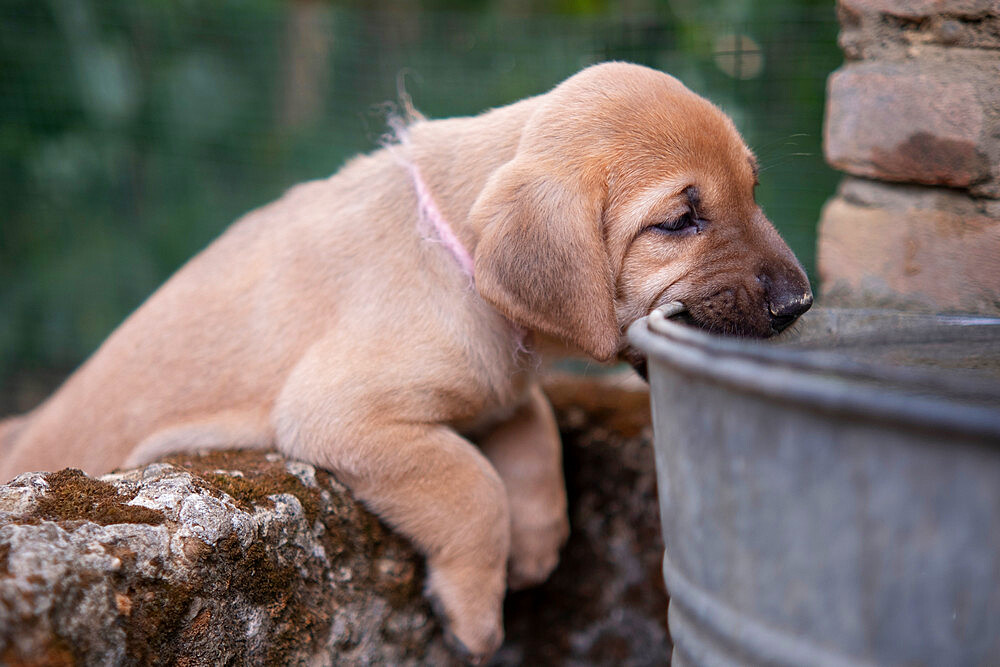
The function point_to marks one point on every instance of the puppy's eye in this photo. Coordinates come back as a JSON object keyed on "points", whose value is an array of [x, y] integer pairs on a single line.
{"points": [[685, 222]]}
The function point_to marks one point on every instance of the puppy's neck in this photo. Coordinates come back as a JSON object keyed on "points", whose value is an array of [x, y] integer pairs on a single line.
{"points": [[456, 157]]}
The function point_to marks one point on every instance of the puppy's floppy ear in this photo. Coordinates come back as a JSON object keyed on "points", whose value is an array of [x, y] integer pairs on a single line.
{"points": [[541, 259]]}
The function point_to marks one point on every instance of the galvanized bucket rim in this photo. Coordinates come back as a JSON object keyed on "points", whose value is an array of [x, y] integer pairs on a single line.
{"points": [[827, 380]]}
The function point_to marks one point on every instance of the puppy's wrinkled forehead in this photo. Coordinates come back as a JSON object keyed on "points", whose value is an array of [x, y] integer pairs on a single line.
{"points": [[640, 124]]}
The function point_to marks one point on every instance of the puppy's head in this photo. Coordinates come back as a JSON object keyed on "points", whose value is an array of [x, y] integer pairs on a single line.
{"points": [[629, 191]]}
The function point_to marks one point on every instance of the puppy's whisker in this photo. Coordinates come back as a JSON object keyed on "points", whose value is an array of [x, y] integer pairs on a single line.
{"points": [[784, 141], [786, 149], [790, 157], [793, 154]]}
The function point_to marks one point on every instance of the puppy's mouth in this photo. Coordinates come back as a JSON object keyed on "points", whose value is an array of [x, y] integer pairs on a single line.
{"points": [[637, 360], [731, 326], [675, 310]]}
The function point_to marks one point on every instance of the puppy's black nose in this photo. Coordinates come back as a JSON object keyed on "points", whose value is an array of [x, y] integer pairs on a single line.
{"points": [[786, 306], [786, 293]]}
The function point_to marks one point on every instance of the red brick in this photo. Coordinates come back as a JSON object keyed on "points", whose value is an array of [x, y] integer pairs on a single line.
{"points": [[909, 122], [926, 258], [874, 29], [916, 9]]}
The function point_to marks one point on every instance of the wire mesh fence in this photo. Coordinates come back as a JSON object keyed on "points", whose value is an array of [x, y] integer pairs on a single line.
{"points": [[132, 133]]}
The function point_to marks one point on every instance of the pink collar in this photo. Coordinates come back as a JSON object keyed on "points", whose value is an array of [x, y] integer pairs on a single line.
{"points": [[430, 213]]}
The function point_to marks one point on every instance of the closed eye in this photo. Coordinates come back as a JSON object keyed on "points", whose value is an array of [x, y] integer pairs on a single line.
{"points": [[681, 225]]}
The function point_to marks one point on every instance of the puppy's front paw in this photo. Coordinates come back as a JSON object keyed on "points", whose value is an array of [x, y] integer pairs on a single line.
{"points": [[534, 551], [469, 600]]}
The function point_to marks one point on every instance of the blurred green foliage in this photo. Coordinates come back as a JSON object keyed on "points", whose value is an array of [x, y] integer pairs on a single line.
{"points": [[133, 131]]}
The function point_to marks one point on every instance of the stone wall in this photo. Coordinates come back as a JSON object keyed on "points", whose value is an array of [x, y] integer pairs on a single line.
{"points": [[913, 119]]}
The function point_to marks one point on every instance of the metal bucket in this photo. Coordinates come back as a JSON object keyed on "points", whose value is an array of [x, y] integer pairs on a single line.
{"points": [[832, 498]]}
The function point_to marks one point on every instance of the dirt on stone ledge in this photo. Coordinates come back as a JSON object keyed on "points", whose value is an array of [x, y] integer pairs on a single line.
{"points": [[204, 560], [251, 477], [72, 496]]}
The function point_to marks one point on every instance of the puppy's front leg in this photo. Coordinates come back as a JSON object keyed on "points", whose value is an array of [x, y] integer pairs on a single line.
{"points": [[527, 452], [426, 481], [434, 487]]}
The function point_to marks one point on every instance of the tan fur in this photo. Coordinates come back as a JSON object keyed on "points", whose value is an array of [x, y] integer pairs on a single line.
{"points": [[325, 325]]}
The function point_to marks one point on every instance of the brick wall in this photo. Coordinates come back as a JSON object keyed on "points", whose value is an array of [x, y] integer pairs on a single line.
{"points": [[913, 119]]}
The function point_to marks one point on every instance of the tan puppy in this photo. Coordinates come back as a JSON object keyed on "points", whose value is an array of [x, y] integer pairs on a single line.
{"points": [[329, 326]]}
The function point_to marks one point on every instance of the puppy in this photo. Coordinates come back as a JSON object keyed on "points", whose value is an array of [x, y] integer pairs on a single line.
{"points": [[379, 323]]}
